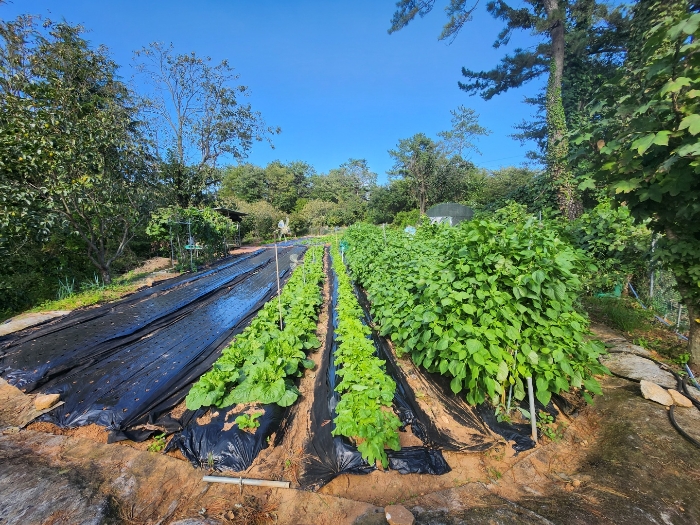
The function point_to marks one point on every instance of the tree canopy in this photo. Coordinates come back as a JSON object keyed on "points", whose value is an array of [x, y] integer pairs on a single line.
{"points": [[641, 141]]}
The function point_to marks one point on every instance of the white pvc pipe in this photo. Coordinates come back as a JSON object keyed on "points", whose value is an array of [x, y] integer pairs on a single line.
{"points": [[247, 481], [533, 417]]}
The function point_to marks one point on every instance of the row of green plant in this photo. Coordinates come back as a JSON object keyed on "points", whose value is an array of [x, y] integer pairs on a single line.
{"points": [[260, 365], [486, 303], [366, 391]]}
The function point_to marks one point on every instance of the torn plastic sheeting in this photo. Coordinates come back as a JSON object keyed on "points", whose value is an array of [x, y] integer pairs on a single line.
{"points": [[37, 355], [221, 445], [331, 455], [137, 382], [418, 460], [518, 433]]}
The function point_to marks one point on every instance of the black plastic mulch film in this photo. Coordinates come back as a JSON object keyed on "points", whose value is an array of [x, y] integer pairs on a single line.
{"points": [[330, 456], [127, 364]]}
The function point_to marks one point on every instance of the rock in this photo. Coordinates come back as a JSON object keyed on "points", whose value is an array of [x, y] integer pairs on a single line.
{"points": [[654, 392], [693, 392], [398, 515], [638, 368], [679, 399], [631, 349], [44, 401]]}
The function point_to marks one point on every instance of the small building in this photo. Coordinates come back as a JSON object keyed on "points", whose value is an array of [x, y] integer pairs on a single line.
{"points": [[450, 212]]}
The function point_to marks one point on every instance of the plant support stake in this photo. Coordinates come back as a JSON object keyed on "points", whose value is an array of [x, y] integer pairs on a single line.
{"points": [[279, 296], [533, 418]]}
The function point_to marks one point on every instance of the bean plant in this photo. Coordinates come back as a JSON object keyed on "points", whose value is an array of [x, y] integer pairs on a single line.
{"points": [[487, 303]]}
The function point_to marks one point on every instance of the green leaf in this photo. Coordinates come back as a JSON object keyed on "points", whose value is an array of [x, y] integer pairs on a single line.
{"points": [[661, 138], [586, 184], [288, 398], [675, 85], [502, 374], [473, 345], [592, 386], [543, 396], [644, 143], [625, 186], [456, 385], [539, 276], [692, 122]]}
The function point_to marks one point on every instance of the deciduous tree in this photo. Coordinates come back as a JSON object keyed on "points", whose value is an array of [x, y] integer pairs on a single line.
{"points": [[642, 140], [70, 141], [198, 117]]}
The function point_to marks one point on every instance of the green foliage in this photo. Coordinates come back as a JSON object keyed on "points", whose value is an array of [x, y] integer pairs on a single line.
{"points": [[615, 241], [623, 314], [436, 171], [158, 443], [262, 362], [364, 411], [462, 301], [261, 219], [245, 421], [406, 218], [386, 201], [642, 140], [210, 230], [73, 159], [322, 213], [547, 427], [522, 185]]}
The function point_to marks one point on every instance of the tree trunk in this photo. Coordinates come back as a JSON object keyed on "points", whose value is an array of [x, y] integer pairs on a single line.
{"points": [[694, 334], [557, 142], [106, 277], [685, 284]]}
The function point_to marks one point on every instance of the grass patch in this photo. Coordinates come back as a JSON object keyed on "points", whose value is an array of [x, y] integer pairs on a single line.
{"points": [[624, 314], [120, 286], [639, 325]]}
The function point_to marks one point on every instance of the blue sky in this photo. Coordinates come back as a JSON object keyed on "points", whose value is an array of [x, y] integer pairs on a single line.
{"points": [[326, 71]]}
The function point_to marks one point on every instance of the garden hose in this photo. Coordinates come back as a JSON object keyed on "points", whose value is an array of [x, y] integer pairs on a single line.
{"points": [[680, 430], [682, 386]]}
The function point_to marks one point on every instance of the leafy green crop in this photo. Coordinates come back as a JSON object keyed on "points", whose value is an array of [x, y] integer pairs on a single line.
{"points": [[261, 363], [486, 303], [364, 411], [245, 421]]}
